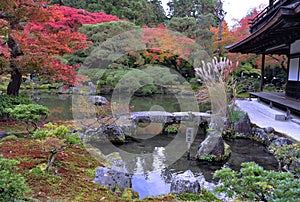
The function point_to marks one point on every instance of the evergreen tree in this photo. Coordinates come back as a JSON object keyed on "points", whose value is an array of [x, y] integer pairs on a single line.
{"points": [[194, 18], [140, 12]]}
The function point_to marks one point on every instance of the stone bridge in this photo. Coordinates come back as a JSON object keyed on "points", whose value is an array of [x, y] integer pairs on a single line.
{"points": [[167, 117]]}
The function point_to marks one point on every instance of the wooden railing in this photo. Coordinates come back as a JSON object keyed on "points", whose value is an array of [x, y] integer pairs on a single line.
{"points": [[273, 5]]}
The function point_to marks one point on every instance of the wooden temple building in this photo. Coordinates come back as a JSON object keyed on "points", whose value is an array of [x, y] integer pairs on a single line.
{"points": [[276, 30]]}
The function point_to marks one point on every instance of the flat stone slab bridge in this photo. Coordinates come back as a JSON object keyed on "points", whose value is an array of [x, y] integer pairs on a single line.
{"points": [[167, 117]]}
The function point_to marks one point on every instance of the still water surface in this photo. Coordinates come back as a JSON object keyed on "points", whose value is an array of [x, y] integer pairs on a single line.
{"points": [[152, 176]]}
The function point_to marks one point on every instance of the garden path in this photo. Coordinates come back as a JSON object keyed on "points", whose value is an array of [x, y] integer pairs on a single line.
{"points": [[264, 116]]}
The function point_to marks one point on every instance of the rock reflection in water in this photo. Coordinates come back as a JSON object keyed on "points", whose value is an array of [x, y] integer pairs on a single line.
{"points": [[152, 174]]}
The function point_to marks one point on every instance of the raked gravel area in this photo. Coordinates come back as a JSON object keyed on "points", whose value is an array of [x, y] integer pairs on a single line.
{"points": [[263, 116]]}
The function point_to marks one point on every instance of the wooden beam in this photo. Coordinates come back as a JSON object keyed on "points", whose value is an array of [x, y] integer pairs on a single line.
{"points": [[262, 72]]}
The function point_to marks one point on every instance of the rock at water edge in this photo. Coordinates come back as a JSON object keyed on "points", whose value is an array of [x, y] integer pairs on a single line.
{"points": [[185, 183], [112, 179], [213, 145]]}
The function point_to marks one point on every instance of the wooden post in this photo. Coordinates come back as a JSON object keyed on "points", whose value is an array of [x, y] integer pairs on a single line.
{"points": [[262, 72]]}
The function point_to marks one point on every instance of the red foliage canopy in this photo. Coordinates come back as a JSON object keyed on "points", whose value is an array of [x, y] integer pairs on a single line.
{"points": [[43, 34], [163, 43]]}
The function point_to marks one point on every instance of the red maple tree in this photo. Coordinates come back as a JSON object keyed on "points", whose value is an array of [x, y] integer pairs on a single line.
{"points": [[36, 36], [169, 48]]}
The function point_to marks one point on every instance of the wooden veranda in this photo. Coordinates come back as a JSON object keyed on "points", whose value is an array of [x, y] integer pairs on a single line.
{"points": [[280, 100]]}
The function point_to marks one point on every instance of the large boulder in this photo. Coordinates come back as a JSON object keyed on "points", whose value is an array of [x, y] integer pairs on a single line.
{"points": [[113, 179], [97, 100], [103, 133], [185, 183], [114, 133], [213, 146], [294, 168], [243, 126], [127, 125]]}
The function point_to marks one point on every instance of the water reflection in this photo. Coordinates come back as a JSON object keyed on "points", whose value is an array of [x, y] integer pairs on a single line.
{"points": [[150, 182], [151, 168], [152, 173], [60, 105], [153, 185]]}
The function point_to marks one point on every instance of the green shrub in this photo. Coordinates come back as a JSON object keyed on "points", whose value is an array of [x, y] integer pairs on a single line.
{"points": [[12, 185], [286, 154], [146, 90], [39, 169], [235, 114], [194, 83], [203, 196], [51, 130], [8, 101], [172, 129], [55, 139], [72, 139], [253, 183], [270, 88], [29, 114], [247, 85]]}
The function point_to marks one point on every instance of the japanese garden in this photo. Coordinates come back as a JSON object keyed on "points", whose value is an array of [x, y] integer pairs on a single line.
{"points": [[126, 100]]}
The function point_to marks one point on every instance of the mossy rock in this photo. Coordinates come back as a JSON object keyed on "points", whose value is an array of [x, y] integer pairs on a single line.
{"points": [[213, 158], [129, 194]]}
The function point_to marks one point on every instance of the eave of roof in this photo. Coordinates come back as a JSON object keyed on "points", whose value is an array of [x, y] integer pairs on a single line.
{"points": [[258, 42]]}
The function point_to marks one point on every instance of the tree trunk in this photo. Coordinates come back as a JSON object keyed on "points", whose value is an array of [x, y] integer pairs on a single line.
{"points": [[15, 83], [51, 160], [16, 75]]}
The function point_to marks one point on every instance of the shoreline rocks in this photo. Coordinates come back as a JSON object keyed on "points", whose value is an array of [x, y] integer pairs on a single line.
{"points": [[185, 183], [213, 146], [103, 133]]}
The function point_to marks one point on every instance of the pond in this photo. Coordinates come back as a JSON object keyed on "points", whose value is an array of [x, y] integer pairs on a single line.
{"points": [[61, 105], [152, 176]]}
